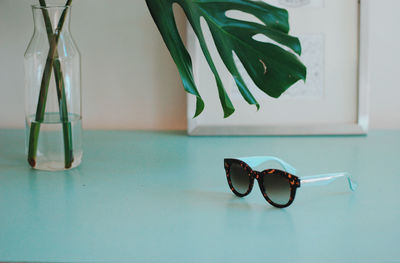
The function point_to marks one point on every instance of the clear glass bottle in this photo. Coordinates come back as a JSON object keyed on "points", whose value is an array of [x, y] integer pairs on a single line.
{"points": [[53, 92]]}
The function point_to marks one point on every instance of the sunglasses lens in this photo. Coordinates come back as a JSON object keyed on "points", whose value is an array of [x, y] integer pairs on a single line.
{"points": [[240, 178], [277, 188]]}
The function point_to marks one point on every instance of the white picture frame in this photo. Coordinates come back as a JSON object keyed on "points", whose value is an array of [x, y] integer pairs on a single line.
{"points": [[204, 125]]}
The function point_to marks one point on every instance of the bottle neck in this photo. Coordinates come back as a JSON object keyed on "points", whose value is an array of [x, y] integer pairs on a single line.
{"points": [[51, 18]]}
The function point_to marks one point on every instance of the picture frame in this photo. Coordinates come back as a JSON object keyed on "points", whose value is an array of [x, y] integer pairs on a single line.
{"points": [[247, 121]]}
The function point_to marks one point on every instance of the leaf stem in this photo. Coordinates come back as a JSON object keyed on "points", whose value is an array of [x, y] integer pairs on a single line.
{"points": [[52, 62], [67, 131]]}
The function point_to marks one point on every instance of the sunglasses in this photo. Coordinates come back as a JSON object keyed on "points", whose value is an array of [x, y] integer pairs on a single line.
{"points": [[278, 187]]}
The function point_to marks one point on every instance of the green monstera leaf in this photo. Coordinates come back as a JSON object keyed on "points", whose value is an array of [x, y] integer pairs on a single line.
{"points": [[271, 67]]}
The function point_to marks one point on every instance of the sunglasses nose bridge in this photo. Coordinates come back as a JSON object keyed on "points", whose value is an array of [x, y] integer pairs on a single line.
{"points": [[255, 174]]}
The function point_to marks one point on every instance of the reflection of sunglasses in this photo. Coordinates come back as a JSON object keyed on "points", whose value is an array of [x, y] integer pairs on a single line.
{"points": [[278, 187]]}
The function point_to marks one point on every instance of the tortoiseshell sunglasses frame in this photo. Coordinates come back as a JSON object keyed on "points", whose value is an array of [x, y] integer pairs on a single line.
{"points": [[293, 181]]}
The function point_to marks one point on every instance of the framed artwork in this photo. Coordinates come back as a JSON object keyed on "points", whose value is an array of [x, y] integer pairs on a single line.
{"points": [[333, 100]]}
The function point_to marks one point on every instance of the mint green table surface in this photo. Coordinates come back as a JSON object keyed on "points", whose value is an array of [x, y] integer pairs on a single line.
{"points": [[163, 197]]}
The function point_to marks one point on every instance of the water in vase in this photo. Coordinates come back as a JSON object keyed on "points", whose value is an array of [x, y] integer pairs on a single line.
{"points": [[51, 153]]}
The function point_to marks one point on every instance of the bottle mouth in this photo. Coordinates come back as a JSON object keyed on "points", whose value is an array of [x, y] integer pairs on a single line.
{"points": [[51, 7]]}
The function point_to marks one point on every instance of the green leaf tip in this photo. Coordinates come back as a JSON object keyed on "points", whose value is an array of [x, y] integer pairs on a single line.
{"points": [[228, 111], [199, 107]]}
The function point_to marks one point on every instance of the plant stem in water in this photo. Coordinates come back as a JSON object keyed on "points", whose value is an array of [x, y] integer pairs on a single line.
{"points": [[40, 111], [67, 131]]}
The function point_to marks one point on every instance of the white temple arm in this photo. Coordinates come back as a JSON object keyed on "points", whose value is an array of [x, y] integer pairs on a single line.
{"points": [[324, 179], [255, 161]]}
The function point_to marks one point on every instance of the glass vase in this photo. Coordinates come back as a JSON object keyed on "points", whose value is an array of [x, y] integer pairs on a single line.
{"points": [[52, 92]]}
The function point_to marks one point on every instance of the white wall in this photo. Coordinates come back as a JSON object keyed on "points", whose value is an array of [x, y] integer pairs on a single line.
{"points": [[128, 77], [385, 63], [130, 81]]}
